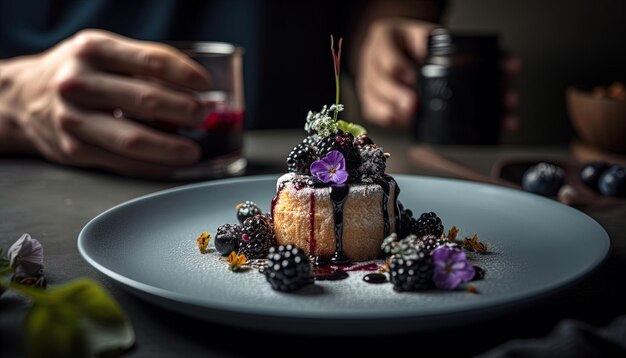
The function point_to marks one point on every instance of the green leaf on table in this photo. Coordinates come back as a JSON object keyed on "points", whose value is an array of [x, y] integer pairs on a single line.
{"points": [[93, 319], [53, 331], [354, 129], [89, 299], [107, 338]]}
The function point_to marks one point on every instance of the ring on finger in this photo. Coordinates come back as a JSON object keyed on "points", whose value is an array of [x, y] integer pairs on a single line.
{"points": [[118, 113]]}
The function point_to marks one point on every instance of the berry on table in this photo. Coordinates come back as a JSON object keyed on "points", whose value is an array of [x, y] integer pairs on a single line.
{"points": [[544, 179], [412, 272], [590, 173], [613, 181], [227, 239], [431, 242], [288, 268], [257, 236], [389, 244], [247, 209], [428, 224]]}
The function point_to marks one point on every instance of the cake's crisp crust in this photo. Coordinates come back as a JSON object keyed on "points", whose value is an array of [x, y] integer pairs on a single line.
{"points": [[363, 224]]}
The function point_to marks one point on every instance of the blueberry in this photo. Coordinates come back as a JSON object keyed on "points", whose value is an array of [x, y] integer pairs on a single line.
{"points": [[247, 209], [591, 172], [227, 239], [544, 178], [613, 181]]}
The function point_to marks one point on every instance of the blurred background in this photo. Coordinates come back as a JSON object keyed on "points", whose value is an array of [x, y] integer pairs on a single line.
{"points": [[561, 43]]}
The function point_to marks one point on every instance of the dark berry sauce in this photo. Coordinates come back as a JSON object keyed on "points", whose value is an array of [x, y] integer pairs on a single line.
{"points": [[396, 207], [375, 278], [329, 273], [324, 270], [312, 242], [338, 195], [385, 184], [364, 267]]}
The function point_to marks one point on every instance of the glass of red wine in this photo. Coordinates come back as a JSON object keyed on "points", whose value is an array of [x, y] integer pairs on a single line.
{"points": [[220, 135]]}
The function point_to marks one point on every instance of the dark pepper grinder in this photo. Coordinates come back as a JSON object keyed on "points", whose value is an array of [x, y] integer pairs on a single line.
{"points": [[460, 90]]}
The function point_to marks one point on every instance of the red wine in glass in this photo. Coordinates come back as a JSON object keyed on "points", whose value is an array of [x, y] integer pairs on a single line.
{"points": [[219, 135]]}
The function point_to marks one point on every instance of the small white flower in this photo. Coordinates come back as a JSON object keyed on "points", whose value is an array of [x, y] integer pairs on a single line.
{"points": [[336, 108], [26, 255], [322, 122]]}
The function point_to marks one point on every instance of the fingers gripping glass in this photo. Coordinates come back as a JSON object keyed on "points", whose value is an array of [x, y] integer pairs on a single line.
{"points": [[220, 134]]}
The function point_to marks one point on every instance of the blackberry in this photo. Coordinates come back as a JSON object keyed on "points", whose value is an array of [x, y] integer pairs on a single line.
{"points": [[247, 209], [407, 246], [257, 236], [450, 244], [362, 140], [311, 140], [227, 238], [373, 161], [544, 179], [343, 142], [431, 242], [428, 224], [300, 159], [412, 272], [288, 268], [389, 244]]}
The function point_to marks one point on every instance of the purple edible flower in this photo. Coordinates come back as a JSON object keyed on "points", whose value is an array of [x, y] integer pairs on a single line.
{"points": [[452, 268], [26, 256], [331, 168]]}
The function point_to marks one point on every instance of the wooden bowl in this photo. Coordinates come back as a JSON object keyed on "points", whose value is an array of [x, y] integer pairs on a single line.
{"points": [[599, 121]]}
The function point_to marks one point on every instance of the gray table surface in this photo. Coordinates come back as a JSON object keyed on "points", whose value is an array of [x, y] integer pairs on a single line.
{"points": [[53, 203]]}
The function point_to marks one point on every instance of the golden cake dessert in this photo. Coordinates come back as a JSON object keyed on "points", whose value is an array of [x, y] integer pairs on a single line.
{"points": [[337, 206], [326, 221], [336, 203]]}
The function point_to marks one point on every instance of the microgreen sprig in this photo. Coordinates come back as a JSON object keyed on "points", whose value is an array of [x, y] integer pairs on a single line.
{"points": [[322, 122]]}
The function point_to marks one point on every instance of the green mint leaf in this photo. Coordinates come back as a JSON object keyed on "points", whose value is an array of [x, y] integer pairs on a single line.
{"points": [[53, 331], [354, 129], [89, 299]]}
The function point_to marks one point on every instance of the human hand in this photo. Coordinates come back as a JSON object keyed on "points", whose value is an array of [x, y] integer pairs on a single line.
{"points": [[64, 100], [387, 73], [387, 69]]}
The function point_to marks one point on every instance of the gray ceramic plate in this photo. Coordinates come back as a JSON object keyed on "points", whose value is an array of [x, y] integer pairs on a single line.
{"points": [[148, 245]]}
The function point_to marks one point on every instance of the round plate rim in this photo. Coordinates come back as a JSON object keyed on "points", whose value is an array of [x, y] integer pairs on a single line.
{"points": [[195, 304]]}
